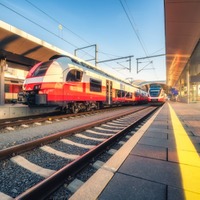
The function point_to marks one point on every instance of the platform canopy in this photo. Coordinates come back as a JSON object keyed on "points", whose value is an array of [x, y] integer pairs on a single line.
{"points": [[182, 32], [23, 48]]}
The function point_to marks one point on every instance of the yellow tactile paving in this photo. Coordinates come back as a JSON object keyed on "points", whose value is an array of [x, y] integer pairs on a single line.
{"points": [[188, 158]]}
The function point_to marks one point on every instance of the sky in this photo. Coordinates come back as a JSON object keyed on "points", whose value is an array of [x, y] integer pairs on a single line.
{"points": [[119, 28]]}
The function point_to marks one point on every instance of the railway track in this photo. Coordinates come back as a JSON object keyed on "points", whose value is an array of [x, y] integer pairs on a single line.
{"points": [[17, 121], [69, 150], [10, 124]]}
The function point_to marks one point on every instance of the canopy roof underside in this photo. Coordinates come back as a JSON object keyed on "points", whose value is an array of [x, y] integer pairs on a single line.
{"points": [[182, 32]]}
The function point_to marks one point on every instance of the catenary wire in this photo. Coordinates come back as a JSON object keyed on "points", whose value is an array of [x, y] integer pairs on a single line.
{"points": [[49, 30]]}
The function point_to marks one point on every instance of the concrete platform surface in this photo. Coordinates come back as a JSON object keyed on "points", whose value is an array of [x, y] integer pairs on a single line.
{"points": [[19, 110], [160, 161]]}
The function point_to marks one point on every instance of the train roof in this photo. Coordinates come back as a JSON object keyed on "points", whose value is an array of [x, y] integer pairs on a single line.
{"points": [[87, 65]]}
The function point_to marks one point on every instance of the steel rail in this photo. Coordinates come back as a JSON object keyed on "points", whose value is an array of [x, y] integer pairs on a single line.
{"points": [[43, 189], [43, 117], [20, 148]]}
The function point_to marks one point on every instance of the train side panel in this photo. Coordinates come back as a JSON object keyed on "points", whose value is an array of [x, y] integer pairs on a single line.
{"points": [[74, 86]]}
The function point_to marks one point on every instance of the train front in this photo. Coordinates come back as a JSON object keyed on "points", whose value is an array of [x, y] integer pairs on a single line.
{"points": [[43, 84], [156, 96]]}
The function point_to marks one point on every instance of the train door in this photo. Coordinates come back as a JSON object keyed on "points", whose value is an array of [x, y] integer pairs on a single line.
{"points": [[109, 92]]}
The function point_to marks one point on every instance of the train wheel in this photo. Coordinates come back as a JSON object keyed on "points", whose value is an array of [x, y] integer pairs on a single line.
{"points": [[66, 110], [74, 109], [88, 108], [99, 105]]}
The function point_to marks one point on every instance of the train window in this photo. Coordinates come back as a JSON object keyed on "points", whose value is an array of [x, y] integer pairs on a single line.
{"points": [[137, 94], [119, 94], [7, 88], [129, 95], [123, 93], [154, 92], [41, 69], [74, 75], [95, 85], [63, 61]]}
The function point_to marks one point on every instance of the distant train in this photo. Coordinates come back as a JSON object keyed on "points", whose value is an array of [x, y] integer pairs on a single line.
{"points": [[74, 85], [12, 87], [156, 95]]}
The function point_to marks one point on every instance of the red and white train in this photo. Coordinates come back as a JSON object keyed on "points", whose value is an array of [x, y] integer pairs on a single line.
{"points": [[74, 85], [156, 95], [12, 88]]}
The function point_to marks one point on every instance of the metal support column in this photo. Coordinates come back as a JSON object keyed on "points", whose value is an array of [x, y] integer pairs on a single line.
{"points": [[3, 67], [96, 52], [2, 98], [188, 85]]}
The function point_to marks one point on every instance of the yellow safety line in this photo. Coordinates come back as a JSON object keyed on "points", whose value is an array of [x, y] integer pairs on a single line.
{"points": [[189, 160]]}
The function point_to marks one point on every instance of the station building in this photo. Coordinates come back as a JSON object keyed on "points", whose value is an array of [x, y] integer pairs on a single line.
{"points": [[182, 32]]}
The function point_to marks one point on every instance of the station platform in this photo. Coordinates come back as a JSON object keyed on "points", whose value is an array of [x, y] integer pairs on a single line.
{"points": [[20, 110], [159, 162]]}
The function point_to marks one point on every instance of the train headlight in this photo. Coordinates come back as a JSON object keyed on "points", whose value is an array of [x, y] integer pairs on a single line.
{"points": [[37, 87]]}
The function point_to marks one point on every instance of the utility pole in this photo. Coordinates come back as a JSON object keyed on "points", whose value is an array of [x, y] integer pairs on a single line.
{"points": [[119, 59], [96, 52], [148, 63], [3, 66], [96, 60]]}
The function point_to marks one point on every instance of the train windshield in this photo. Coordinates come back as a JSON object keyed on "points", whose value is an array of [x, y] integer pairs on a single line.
{"points": [[154, 92], [41, 69], [63, 62]]}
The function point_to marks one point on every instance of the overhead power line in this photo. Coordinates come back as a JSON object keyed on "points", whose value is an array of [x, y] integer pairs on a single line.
{"points": [[38, 25], [63, 26], [138, 37], [43, 27], [55, 20], [59, 23]]}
